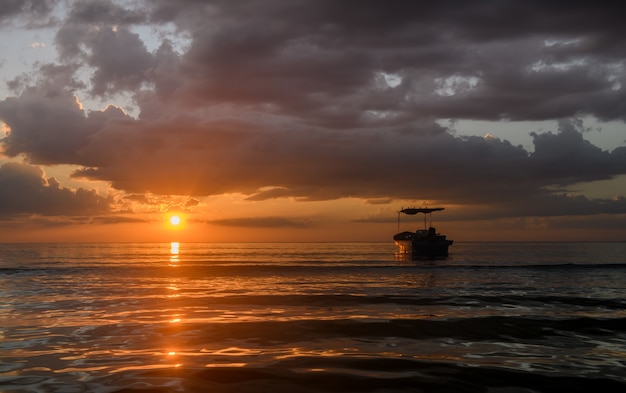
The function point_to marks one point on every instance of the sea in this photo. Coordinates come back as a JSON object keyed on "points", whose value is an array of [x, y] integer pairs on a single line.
{"points": [[312, 317]]}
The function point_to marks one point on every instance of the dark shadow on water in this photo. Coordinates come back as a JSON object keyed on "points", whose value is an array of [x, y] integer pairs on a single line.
{"points": [[364, 375], [410, 257]]}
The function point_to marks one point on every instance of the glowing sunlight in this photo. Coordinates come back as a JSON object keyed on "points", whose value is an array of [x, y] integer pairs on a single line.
{"points": [[174, 251], [175, 220]]}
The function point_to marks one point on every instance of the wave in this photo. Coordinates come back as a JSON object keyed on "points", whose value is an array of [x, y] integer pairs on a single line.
{"points": [[507, 329], [367, 375], [357, 301]]}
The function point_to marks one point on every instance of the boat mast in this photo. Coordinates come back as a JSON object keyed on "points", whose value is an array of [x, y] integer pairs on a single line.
{"points": [[399, 220]]}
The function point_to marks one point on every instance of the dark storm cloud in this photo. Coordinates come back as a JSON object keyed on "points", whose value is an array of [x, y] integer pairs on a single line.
{"points": [[120, 58], [185, 156], [96, 32], [30, 10], [322, 60], [103, 12], [567, 158], [320, 100], [48, 123], [25, 190]]}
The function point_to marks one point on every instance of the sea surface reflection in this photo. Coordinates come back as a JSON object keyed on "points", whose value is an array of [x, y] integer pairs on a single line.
{"points": [[174, 250], [313, 317]]}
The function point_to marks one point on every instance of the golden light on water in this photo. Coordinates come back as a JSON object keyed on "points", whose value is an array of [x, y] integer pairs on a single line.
{"points": [[174, 248], [174, 253]]}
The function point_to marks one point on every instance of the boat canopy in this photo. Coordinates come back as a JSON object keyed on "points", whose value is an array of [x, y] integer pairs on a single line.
{"points": [[414, 210]]}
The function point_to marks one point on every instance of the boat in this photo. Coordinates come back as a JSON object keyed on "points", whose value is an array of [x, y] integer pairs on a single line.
{"points": [[423, 242]]}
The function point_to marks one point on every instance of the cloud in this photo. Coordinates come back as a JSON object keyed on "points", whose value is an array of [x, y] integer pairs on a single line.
{"points": [[379, 201], [48, 122], [191, 203], [262, 222], [98, 33], [567, 158], [193, 155], [24, 189], [120, 58], [319, 100], [140, 198], [104, 12], [324, 61], [331, 64], [29, 10]]}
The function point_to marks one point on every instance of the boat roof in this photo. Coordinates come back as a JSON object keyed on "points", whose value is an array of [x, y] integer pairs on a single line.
{"points": [[414, 210]]}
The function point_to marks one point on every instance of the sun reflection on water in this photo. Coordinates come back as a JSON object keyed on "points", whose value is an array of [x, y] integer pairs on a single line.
{"points": [[229, 307], [174, 253]]}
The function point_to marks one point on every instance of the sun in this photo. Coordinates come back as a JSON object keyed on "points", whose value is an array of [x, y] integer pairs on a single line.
{"points": [[175, 220]]}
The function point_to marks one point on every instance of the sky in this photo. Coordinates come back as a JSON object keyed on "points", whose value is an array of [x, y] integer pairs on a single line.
{"points": [[311, 120]]}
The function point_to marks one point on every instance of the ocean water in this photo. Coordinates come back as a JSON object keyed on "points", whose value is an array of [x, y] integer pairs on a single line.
{"points": [[320, 317]]}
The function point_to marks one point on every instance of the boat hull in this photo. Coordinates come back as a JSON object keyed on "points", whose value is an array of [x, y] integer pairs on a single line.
{"points": [[422, 246]]}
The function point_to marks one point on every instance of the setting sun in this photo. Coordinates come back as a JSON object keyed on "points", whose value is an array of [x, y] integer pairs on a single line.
{"points": [[175, 220]]}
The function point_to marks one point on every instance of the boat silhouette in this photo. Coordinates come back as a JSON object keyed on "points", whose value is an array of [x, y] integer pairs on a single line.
{"points": [[423, 242]]}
